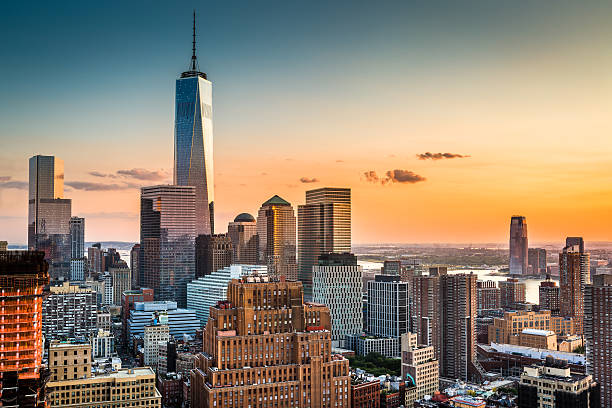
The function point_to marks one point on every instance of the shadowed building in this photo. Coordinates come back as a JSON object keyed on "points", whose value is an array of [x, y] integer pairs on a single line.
{"points": [[276, 232], [324, 226], [518, 246], [573, 268], [511, 292], [213, 252], [549, 295], [537, 261], [243, 233]]}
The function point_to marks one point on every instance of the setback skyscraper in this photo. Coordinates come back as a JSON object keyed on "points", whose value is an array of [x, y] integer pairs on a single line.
{"points": [[324, 226], [77, 249], [167, 241], [243, 233], [518, 246], [193, 141]]}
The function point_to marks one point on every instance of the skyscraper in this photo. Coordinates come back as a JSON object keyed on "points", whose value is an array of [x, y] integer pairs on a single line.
{"points": [[548, 296], [134, 256], [571, 296], [49, 214], [388, 306], [511, 292], [193, 141], [324, 226], [276, 232], [585, 259], [243, 233], [598, 333], [537, 261], [167, 235], [213, 252], [77, 248], [23, 275], [518, 246]]}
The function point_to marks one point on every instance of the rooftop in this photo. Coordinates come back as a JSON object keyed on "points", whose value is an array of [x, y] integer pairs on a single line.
{"points": [[276, 200], [538, 332]]}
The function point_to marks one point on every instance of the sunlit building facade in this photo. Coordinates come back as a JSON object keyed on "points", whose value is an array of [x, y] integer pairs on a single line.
{"points": [[571, 288], [518, 246], [243, 233]]}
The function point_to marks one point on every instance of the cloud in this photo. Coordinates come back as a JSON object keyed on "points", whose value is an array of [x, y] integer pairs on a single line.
{"points": [[339, 161], [393, 176], [309, 180], [90, 186], [111, 214], [144, 174], [439, 156], [403, 176], [98, 174], [6, 183]]}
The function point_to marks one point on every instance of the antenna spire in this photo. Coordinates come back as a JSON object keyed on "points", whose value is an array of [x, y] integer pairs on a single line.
{"points": [[193, 56]]}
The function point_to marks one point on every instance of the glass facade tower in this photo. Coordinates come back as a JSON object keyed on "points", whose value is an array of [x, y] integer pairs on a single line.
{"points": [[518, 246]]}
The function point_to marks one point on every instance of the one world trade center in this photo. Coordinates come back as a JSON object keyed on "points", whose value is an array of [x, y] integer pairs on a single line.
{"points": [[193, 140]]}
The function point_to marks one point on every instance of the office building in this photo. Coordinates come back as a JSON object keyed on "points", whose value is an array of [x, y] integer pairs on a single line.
{"points": [[457, 326], [95, 259], [488, 295], [77, 249], [264, 347], [205, 292], [72, 383], [153, 336], [69, 311], [554, 385], [512, 292], [276, 232], [49, 214], [518, 246], [23, 276], [167, 235], [363, 344], [503, 330], [193, 142], [365, 391], [337, 283], [324, 226], [243, 234], [573, 269], [388, 306], [102, 344], [181, 322], [134, 267], [212, 253], [108, 294], [536, 260], [166, 360], [420, 367], [598, 333], [121, 282], [549, 296]]}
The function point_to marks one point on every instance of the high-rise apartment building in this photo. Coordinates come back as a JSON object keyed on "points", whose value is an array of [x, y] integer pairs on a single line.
{"points": [[337, 282], [511, 292], [193, 142], [536, 260], [425, 309], [388, 306], [488, 295], [167, 235], [121, 282], [213, 252], [276, 232], [264, 347], [598, 333], [324, 226], [23, 276], [549, 295], [72, 383], [134, 267], [243, 233], [458, 325], [577, 245], [69, 311], [203, 293], [572, 265], [49, 214], [77, 237], [153, 336], [518, 246]]}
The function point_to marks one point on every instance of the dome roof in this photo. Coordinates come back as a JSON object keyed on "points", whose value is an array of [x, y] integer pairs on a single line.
{"points": [[244, 217]]}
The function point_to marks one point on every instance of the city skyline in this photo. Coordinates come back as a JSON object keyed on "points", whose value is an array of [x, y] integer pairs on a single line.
{"points": [[418, 89]]}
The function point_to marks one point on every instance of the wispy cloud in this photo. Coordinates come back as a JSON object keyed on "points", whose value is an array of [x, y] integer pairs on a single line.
{"points": [[6, 183], [393, 176], [144, 174], [91, 186], [440, 156], [309, 180], [111, 214], [103, 175]]}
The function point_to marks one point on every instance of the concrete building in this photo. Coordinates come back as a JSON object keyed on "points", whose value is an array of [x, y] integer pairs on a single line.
{"points": [[518, 246], [181, 322], [363, 344], [512, 292], [128, 298], [388, 306], [265, 347], [23, 277], [277, 239], [102, 344], [213, 252], [420, 367], [121, 282], [134, 266], [536, 260], [95, 259], [549, 296], [574, 275], [513, 323], [324, 226], [154, 335], [245, 242], [365, 391], [337, 283], [69, 311], [205, 292], [598, 333], [425, 309], [554, 385], [73, 385], [488, 295], [537, 338]]}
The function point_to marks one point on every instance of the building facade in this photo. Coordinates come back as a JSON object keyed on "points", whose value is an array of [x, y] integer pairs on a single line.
{"points": [[277, 240], [153, 336], [488, 295], [337, 283], [363, 344], [420, 367], [212, 252], [324, 226], [167, 235], [549, 296], [518, 246], [264, 347], [243, 234], [134, 256], [513, 323], [388, 306], [181, 322], [536, 259], [69, 311], [121, 282], [573, 268]]}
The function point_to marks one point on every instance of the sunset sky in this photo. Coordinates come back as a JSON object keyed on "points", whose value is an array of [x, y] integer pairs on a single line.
{"points": [[311, 94]]}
